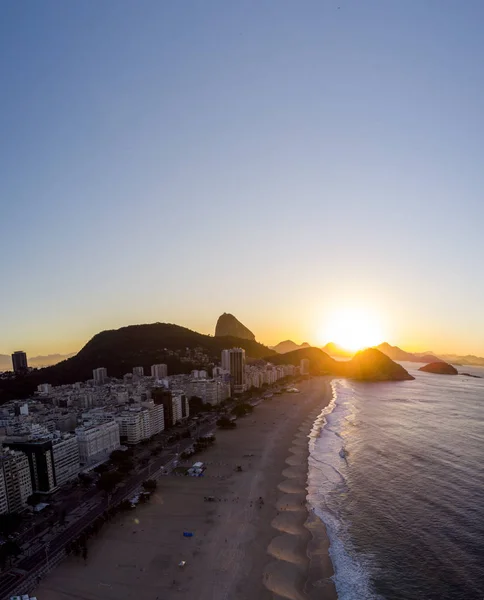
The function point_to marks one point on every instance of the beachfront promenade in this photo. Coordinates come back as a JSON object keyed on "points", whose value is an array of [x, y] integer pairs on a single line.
{"points": [[250, 542]]}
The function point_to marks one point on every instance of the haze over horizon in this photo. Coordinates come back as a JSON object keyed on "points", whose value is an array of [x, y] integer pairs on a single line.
{"points": [[281, 162]]}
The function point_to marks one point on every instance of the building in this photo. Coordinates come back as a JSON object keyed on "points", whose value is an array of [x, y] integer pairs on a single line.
{"points": [[236, 367], [159, 371], [175, 405], [65, 452], [304, 366], [138, 372], [141, 422], [211, 391], [44, 389], [100, 375], [96, 442], [53, 460], [19, 361], [225, 362], [15, 481]]}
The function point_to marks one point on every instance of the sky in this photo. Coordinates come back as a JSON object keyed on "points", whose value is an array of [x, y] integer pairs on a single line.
{"points": [[171, 161]]}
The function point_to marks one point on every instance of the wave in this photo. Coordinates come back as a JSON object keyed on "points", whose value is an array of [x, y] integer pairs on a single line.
{"points": [[326, 481]]}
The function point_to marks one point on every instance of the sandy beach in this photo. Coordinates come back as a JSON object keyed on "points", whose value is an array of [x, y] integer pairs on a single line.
{"points": [[256, 541]]}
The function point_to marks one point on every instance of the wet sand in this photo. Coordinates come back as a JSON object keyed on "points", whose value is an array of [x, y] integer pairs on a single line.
{"points": [[242, 547]]}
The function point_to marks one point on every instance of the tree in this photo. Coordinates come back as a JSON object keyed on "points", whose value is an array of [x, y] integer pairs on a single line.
{"points": [[226, 423], [150, 485], [126, 466], [242, 409], [9, 523], [33, 500], [103, 468], [196, 405], [108, 481], [8, 550]]}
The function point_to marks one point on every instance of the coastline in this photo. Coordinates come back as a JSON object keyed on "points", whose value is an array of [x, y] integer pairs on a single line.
{"points": [[242, 546]]}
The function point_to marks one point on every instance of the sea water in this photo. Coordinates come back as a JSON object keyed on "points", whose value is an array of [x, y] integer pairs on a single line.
{"points": [[396, 474]]}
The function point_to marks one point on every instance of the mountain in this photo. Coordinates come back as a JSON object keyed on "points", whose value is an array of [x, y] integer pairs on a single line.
{"points": [[228, 325], [334, 350], [288, 346], [119, 350], [373, 365], [320, 362], [439, 368], [468, 359], [367, 365], [396, 353]]}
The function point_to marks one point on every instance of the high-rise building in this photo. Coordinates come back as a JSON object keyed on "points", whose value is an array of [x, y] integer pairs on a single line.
{"points": [[304, 366], [100, 375], [225, 363], [15, 481], [19, 361], [96, 442], [233, 360], [53, 460], [175, 405], [138, 372], [159, 371], [65, 452]]}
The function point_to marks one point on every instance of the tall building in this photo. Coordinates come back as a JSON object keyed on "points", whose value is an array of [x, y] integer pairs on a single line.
{"points": [[53, 460], [138, 371], [304, 366], [15, 481], [96, 442], [100, 375], [65, 452], [233, 360], [159, 371], [19, 361], [175, 405], [225, 363]]}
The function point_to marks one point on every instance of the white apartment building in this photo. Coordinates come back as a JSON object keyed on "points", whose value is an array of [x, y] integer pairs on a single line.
{"points": [[100, 375], [65, 453], [15, 481], [141, 423], [159, 371], [211, 391], [138, 372], [96, 442]]}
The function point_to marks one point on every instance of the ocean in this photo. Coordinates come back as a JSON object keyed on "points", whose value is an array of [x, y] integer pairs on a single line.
{"points": [[396, 474]]}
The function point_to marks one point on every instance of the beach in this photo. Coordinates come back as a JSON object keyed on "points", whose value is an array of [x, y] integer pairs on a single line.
{"points": [[255, 540]]}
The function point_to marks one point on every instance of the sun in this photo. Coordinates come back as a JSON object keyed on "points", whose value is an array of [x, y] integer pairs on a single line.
{"points": [[353, 329]]}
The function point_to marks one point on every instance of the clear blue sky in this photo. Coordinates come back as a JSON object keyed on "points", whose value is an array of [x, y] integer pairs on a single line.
{"points": [[169, 161]]}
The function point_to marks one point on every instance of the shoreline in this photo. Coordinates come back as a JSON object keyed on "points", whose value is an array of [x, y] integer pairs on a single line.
{"points": [[259, 539]]}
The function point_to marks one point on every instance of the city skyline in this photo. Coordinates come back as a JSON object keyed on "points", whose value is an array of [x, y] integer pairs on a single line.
{"points": [[279, 162]]}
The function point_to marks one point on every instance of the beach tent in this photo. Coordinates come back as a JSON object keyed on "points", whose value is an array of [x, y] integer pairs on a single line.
{"points": [[187, 534]]}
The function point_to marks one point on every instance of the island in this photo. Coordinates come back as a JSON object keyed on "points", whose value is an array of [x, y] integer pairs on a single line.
{"points": [[439, 368]]}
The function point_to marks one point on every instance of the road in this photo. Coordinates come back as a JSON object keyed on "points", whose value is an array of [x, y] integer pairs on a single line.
{"points": [[11, 581]]}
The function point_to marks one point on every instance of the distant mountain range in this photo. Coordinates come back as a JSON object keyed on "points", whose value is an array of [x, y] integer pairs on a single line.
{"points": [[393, 352], [34, 361], [288, 346], [366, 365]]}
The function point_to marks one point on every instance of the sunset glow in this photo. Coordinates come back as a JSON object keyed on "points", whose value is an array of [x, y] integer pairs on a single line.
{"points": [[353, 329]]}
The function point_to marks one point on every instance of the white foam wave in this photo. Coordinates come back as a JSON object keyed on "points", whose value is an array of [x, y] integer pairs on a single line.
{"points": [[327, 480]]}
